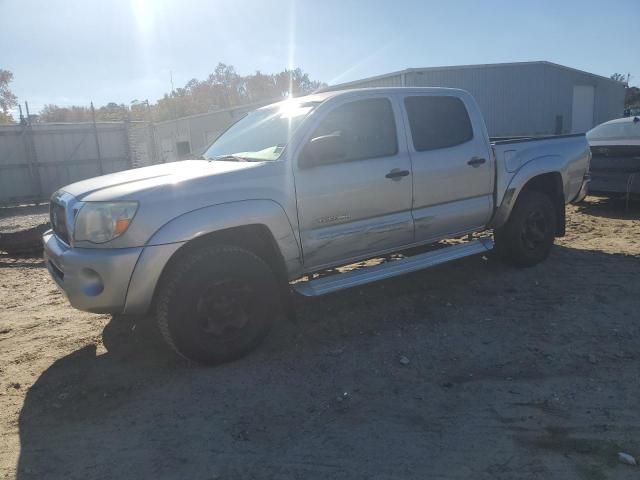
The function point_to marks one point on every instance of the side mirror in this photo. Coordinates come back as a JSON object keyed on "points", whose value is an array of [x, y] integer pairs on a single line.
{"points": [[322, 150]]}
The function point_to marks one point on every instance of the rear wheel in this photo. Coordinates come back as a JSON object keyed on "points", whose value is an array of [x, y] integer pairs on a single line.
{"points": [[217, 303], [527, 237]]}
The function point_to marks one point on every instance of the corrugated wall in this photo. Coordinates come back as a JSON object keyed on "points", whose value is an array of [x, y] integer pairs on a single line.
{"points": [[526, 99], [35, 161], [391, 80], [516, 99], [506, 95]]}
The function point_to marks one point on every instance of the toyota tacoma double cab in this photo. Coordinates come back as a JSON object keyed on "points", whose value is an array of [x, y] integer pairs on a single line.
{"points": [[213, 247]]}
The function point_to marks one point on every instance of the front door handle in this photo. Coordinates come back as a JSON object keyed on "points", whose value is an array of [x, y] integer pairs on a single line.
{"points": [[476, 161], [397, 174]]}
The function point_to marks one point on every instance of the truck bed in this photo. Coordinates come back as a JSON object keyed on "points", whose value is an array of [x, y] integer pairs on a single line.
{"points": [[515, 153], [519, 139]]}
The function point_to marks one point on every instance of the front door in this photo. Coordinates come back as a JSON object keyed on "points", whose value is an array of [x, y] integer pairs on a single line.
{"points": [[357, 201]]}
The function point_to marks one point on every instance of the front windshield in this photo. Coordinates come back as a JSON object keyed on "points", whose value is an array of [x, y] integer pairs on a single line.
{"points": [[616, 131], [262, 134]]}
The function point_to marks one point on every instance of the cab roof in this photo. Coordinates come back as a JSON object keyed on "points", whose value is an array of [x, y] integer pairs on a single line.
{"points": [[320, 97]]}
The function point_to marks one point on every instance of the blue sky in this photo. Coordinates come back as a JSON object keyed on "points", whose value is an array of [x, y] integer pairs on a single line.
{"points": [[75, 51]]}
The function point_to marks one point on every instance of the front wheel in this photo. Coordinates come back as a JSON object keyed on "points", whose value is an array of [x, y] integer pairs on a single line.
{"points": [[217, 303], [527, 237]]}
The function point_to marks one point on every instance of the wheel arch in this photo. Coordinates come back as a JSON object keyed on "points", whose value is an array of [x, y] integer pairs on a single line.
{"points": [[256, 238], [549, 181], [260, 226]]}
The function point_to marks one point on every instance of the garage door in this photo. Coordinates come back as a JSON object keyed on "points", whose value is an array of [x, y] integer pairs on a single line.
{"points": [[582, 111]]}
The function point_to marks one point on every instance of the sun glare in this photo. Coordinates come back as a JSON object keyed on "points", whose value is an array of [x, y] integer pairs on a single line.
{"points": [[291, 109], [143, 14]]}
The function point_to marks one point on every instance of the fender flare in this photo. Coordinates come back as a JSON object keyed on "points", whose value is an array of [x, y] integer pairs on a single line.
{"points": [[535, 167], [223, 216], [169, 238]]}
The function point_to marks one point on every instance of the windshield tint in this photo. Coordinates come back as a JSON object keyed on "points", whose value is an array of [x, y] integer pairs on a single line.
{"points": [[616, 131], [262, 134]]}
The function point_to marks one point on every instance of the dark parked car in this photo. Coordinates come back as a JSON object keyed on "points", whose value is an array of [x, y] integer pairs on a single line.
{"points": [[615, 165]]}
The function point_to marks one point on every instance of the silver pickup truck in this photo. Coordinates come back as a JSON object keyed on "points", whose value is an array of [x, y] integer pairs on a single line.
{"points": [[213, 247]]}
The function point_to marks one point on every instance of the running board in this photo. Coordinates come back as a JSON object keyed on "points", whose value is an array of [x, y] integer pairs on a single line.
{"points": [[355, 278]]}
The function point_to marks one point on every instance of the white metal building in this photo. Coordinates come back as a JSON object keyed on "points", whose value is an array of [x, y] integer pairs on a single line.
{"points": [[189, 136], [527, 98]]}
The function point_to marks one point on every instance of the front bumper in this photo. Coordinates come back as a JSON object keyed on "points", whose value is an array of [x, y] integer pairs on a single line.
{"points": [[94, 280], [608, 182]]}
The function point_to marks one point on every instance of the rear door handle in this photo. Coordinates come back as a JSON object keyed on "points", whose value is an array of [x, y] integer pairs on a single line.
{"points": [[397, 174], [476, 161]]}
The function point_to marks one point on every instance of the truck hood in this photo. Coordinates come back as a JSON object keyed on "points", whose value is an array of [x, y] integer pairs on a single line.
{"points": [[130, 184]]}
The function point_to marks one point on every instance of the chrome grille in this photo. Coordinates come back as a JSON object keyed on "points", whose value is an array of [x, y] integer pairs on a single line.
{"points": [[59, 221]]}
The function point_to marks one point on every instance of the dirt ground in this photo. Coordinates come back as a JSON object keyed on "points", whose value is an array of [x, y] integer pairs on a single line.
{"points": [[511, 374], [14, 219]]}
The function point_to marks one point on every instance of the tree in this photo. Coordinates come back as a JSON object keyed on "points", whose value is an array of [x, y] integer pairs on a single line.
{"points": [[619, 77], [54, 113], [112, 112], [7, 99], [224, 88], [631, 94]]}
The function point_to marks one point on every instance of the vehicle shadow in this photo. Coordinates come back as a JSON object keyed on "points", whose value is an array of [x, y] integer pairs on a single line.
{"points": [[138, 412], [611, 207], [20, 261], [24, 210]]}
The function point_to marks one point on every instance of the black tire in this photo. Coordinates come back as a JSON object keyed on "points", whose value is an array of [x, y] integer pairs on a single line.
{"points": [[527, 237], [217, 303]]}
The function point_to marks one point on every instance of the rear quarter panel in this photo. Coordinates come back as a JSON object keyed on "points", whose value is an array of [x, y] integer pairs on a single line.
{"points": [[520, 161]]}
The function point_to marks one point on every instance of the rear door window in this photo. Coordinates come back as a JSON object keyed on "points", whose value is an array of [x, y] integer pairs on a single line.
{"points": [[437, 122]]}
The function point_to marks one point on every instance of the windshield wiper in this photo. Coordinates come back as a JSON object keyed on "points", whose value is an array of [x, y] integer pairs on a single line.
{"points": [[229, 158]]}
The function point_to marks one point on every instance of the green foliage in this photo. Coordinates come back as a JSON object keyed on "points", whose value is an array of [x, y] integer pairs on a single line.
{"points": [[54, 113], [631, 94], [111, 112], [619, 77], [7, 99], [223, 88]]}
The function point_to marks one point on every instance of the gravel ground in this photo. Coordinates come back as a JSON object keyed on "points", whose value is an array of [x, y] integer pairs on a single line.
{"points": [[470, 370]]}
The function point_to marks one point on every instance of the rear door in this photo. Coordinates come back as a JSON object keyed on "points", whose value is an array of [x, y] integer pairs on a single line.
{"points": [[358, 203], [453, 170]]}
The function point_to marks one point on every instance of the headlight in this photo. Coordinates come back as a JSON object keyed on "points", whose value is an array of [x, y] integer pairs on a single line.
{"points": [[99, 222]]}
